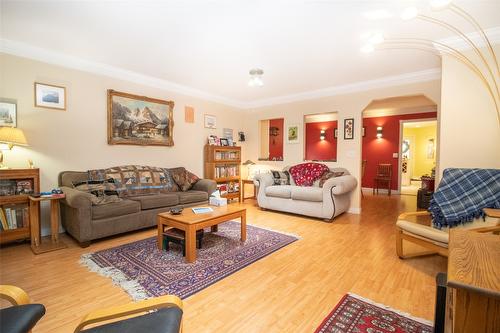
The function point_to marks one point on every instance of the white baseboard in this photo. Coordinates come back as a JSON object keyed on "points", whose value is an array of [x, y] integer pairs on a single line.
{"points": [[369, 190], [354, 210]]}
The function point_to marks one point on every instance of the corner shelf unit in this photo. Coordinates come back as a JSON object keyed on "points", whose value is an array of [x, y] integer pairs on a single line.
{"points": [[11, 183], [222, 164]]}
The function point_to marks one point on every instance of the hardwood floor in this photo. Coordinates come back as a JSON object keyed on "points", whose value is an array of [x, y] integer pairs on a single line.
{"points": [[291, 290]]}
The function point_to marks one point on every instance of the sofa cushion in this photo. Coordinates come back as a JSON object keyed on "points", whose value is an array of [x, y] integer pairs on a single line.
{"points": [[192, 196], [279, 191], [123, 207], [183, 178], [307, 193], [281, 177], [328, 175], [157, 200]]}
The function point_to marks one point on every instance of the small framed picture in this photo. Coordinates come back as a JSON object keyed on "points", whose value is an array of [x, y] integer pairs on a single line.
{"points": [[224, 142], [230, 142], [212, 140], [50, 96], [363, 131], [210, 121], [8, 114], [293, 133], [349, 129], [336, 133]]}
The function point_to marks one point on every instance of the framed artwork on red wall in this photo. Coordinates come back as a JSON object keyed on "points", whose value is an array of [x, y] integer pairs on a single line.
{"points": [[349, 129]]}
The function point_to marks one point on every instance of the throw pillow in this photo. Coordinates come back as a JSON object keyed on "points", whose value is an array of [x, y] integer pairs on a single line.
{"points": [[183, 178], [306, 173], [328, 175], [281, 177]]}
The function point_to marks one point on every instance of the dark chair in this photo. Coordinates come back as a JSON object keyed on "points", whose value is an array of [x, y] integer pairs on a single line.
{"points": [[22, 316], [383, 177]]}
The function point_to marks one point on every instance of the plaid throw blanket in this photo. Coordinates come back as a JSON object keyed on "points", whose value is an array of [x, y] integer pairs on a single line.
{"points": [[462, 194]]}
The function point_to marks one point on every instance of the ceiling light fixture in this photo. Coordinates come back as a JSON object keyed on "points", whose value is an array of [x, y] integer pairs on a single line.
{"points": [[378, 14], [256, 77], [409, 13], [484, 64], [440, 4]]}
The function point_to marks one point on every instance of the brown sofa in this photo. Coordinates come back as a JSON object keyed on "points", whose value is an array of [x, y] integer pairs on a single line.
{"points": [[86, 222]]}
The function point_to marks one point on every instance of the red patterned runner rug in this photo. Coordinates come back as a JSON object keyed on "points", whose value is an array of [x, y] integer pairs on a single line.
{"points": [[356, 314]]}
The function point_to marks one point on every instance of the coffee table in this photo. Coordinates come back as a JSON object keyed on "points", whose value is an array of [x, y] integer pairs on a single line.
{"points": [[190, 222]]}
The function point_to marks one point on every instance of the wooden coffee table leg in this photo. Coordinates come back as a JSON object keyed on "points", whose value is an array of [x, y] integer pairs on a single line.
{"points": [[244, 225], [190, 244], [160, 233]]}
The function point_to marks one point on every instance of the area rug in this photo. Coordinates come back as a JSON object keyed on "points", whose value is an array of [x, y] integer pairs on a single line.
{"points": [[144, 271], [356, 314]]}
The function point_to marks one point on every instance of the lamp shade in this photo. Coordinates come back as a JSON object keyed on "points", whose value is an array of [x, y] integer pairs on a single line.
{"points": [[248, 162], [12, 136]]}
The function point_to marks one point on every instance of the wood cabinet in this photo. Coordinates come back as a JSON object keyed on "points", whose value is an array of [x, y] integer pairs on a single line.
{"points": [[15, 184], [222, 164], [473, 301]]}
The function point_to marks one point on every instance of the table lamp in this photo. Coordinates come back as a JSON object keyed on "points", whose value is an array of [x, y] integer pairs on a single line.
{"points": [[11, 136]]}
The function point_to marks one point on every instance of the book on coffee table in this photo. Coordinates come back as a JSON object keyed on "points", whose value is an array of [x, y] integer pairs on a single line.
{"points": [[202, 210]]}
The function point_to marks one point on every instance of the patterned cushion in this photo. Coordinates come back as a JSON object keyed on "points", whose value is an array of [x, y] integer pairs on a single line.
{"points": [[328, 175], [183, 178], [306, 173], [281, 177], [133, 180]]}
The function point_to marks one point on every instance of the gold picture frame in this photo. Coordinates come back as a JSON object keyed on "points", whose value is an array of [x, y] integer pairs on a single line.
{"points": [[139, 120]]}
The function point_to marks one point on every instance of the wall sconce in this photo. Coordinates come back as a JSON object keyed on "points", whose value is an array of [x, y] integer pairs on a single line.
{"points": [[379, 132], [322, 135]]}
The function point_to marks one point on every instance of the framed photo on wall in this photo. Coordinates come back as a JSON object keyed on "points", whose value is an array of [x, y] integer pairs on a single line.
{"points": [[50, 96], [336, 133], [8, 114], [292, 133], [349, 129], [139, 120], [210, 121]]}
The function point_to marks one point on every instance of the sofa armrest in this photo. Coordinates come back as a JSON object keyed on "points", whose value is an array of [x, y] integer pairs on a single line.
{"points": [[263, 180], [205, 185], [76, 199], [340, 185]]}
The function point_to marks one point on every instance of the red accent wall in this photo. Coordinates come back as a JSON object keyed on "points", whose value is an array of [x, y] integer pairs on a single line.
{"points": [[376, 151], [276, 142], [317, 149]]}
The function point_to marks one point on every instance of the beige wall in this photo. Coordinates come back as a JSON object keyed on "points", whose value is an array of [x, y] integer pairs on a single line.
{"points": [[469, 128], [347, 106], [76, 139]]}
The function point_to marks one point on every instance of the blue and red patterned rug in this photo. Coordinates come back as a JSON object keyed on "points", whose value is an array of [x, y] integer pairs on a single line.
{"points": [[356, 314], [144, 271]]}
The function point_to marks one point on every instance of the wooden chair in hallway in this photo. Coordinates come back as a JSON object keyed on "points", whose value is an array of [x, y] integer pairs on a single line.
{"points": [[363, 168], [383, 177]]}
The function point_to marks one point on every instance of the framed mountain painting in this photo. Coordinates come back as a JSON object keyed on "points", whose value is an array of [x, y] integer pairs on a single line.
{"points": [[139, 120]]}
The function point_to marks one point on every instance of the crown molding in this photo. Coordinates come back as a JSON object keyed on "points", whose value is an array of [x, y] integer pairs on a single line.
{"points": [[388, 81], [461, 44], [27, 51]]}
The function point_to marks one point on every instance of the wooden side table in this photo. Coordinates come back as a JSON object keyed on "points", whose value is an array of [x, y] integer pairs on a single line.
{"points": [[242, 189], [39, 245]]}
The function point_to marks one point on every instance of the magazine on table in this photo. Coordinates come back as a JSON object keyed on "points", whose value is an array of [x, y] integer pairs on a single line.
{"points": [[202, 210]]}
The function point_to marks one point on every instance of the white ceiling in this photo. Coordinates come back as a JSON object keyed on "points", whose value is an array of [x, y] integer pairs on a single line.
{"points": [[210, 46]]}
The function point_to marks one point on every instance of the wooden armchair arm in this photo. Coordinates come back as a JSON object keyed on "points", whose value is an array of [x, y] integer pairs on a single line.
{"points": [[129, 309], [420, 213], [13, 294]]}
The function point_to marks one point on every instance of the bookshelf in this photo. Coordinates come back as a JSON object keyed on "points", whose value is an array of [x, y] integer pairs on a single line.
{"points": [[15, 185], [222, 164]]}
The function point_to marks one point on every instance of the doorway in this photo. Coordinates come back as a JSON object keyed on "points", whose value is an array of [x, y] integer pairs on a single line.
{"points": [[418, 142]]}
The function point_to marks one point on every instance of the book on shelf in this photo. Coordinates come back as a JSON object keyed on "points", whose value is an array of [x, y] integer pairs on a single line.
{"points": [[226, 155], [226, 171], [14, 217]]}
